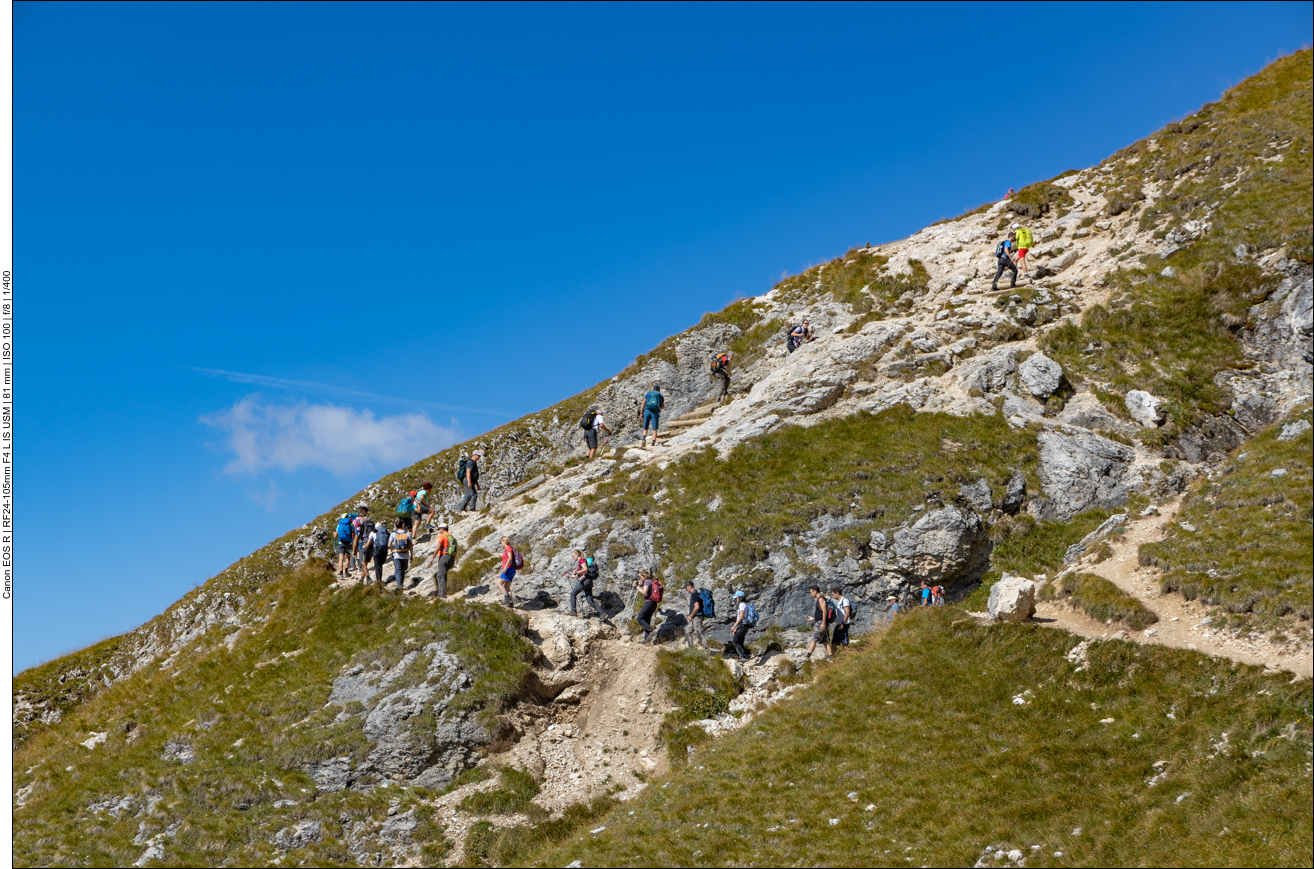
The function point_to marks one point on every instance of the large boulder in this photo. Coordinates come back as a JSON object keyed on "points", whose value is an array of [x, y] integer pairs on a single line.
{"points": [[1079, 471], [987, 372], [942, 546], [1144, 408], [1040, 375], [1012, 599], [1015, 492]]}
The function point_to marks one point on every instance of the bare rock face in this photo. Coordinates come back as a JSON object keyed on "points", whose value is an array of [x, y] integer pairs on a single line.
{"points": [[299, 835], [1085, 411], [988, 372], [1040, 375], [1078, 471], [1012, 599], [1144, 408]]}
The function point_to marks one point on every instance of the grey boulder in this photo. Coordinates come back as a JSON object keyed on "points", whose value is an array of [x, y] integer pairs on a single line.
{"points": [[1079, 471], [944, 545], [1040, 375], [1144, 408]]}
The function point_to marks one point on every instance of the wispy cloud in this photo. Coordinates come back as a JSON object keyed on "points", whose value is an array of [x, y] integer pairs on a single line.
{"points": [[341, 440], [333, 389]]}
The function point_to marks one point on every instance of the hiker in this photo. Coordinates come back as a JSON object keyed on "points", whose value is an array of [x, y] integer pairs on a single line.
{"points": [[652, 590], [342, 543], [401, 545], [592, 421], [469, 473], [653, 403], [406, 510], [721, 369], [820, 623], [893, 609], [1005, 262], [586, 570], [698, 613], [1024, 242], [445, 549], [926, 594], [843, 618], [799, 335], [511, 562], [1009, 194], [361, 529], [421, 505], [745, 618], [380, 550], [937, 595]]}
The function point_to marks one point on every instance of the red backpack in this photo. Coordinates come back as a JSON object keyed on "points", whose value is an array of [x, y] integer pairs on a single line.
{"points": [[655, 590], [517, 560]]}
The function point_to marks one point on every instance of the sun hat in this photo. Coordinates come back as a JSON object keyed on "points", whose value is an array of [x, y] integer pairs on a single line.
{"points": [[891, 597]]}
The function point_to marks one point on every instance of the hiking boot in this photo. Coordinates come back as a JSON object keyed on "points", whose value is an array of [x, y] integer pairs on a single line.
{"points": [[994, 289], [573, 613], [506, 601]]}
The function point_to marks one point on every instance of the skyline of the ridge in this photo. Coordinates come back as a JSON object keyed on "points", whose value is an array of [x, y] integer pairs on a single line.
{"points": [[271, 249]]}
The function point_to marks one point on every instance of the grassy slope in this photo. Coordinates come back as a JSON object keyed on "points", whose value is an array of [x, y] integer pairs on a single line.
{"points": [[253, 718], [921, 724], [1171, 334], [1250, 552]]}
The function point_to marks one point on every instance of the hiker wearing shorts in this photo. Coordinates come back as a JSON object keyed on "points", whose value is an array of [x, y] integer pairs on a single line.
{"points": [[839, 636], [361, 527], [471, 484], [1004, 261], [820, 624], [584, 576], [722, 371], [740, 627], [591, 432], [508, 569], [649, 587], [443, 551], [401, 545], [422, 508], [1024, 242], [653, 403], [693, 630]]}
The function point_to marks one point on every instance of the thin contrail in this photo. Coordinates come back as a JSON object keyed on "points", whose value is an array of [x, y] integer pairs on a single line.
{"points": [[312, 386]]}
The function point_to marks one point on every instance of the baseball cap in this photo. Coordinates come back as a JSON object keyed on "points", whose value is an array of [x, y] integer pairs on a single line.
{"points": [[739, 594]]}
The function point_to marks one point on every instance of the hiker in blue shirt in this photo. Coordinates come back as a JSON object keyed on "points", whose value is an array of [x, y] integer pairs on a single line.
{"points": [[653, 403]]}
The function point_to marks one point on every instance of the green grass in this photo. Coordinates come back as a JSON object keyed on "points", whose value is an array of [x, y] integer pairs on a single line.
{"points": [[1250, 552], [515, 793], [475, 568], [253, 716], [488, 845], [1024, 546], [699, 686], [777, 485], [921, 726], [1037, 200], [1101, 599]]}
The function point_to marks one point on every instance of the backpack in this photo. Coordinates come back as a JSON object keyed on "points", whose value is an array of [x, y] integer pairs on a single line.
{"points": [[709, 605], [406, 507], [403, 542], [656, 591], [590, 569], [750, 615], [344, 527], [833, 614], [517, 560], [1001, 250], [366, 528], [380, 537], [718, 362], [653, 401], [460, 471], [587, 422]]}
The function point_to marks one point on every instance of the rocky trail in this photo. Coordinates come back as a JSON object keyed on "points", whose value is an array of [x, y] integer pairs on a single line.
{"points": [[1182, 624]]}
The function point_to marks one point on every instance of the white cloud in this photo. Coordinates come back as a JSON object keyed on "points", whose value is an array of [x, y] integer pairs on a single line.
{"points": [[342, 440]]}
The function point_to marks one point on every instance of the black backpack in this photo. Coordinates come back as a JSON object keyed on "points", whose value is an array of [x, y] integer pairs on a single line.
{"points": [[591, 571], [460, 471], [1001, 250], [587, 422]]}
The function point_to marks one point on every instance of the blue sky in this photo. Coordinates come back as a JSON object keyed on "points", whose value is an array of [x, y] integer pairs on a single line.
{"points": [[266, 253]]}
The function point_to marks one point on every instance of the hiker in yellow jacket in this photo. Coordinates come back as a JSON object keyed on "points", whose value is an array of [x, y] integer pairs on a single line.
{"points": [[1024, 242]]}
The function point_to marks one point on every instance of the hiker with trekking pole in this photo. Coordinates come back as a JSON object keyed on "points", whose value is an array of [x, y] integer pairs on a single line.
{"points": [[652, 590], [592, 421]]}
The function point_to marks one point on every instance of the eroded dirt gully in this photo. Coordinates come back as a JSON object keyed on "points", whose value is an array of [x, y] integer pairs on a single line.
{"points": [[1182, 624]]}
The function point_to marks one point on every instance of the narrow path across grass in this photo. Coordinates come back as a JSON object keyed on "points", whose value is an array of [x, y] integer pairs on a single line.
{"points": [[1181, 622]]}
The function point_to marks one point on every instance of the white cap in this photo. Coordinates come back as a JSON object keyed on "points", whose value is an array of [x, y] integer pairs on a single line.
{"points": [[1016, 226]]}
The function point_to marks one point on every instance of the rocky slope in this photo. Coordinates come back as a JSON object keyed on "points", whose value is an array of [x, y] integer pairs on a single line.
{"points": [[936, 430]]}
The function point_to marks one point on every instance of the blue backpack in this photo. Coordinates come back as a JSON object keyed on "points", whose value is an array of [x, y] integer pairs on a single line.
{"points": [[653, 401], [709, 605], [344, 527], [750, 615], [406, 507]]}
